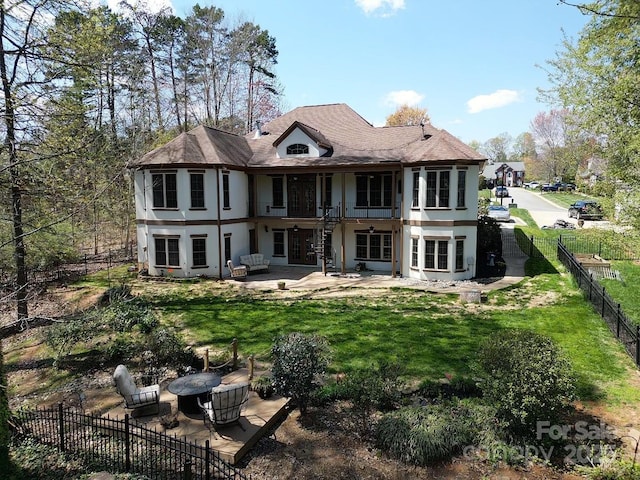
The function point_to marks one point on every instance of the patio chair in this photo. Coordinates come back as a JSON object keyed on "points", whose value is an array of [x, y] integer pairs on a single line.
{"points": [[237, 272], [225, 404], [139, 400]]}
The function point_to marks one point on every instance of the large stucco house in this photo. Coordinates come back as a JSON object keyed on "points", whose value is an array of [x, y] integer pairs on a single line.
{"points": [[317, 186]]}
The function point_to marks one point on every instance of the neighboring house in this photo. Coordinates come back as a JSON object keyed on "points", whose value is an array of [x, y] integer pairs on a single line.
{"points": [[509, 174], [317, 186]]}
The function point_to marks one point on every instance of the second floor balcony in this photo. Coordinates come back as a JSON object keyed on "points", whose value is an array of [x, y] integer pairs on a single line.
{"points": [[350, 210]]}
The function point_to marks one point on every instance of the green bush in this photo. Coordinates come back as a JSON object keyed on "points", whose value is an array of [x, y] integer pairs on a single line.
{"points": [[122, 348], [31, 459], [298, 359], [526, 377], [374, 387], [422, 435], [460, 387], [169, 348]]}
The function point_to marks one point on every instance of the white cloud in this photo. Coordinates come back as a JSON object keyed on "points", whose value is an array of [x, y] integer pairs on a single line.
{"points": [[403, 97], [386, 7], [497, 99]]}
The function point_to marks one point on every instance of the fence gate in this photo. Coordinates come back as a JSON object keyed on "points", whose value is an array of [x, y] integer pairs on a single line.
{"points": [[510, 246]]}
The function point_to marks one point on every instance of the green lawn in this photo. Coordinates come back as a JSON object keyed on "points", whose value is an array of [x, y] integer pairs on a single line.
{"points": [[430, 334], [625, 292]]}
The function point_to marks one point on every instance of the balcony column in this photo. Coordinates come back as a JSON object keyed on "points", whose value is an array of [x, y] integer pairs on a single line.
{"points": [[343, 253]]}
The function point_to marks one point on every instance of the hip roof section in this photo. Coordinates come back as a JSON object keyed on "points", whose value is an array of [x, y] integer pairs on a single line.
{"points": [[352, 140]]}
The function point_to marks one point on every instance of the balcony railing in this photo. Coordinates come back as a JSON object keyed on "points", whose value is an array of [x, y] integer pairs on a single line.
{"points": [[352, 210]]}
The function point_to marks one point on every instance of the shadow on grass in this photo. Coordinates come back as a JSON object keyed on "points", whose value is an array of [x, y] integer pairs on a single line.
{"points": [[539, 266]]}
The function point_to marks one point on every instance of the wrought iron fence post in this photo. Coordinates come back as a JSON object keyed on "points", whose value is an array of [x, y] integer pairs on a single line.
{"points": [[531, 246], [603, 304], [127, 446], [590, 284], [187, 475], [61, 424], [618, 324], [207, 460]]}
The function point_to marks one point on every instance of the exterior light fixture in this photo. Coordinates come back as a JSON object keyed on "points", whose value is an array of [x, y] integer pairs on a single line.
{"points": [[295, 228], [371, 229]]}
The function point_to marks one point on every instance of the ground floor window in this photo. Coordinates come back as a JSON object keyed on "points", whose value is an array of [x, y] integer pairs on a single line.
{"points": [[167, 252], [459, 255], [436, 254], [199, 247], [278, 243], [227, 247], [414, 252], [373, 246]]}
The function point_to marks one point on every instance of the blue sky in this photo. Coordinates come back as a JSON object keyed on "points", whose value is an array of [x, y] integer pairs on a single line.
{"points": [[475, 65]]}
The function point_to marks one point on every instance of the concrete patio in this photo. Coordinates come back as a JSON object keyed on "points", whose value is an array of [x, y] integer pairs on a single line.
{"points": [[232, 442]]}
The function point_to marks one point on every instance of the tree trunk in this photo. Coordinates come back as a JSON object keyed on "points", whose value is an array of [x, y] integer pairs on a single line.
{"points": [[14, 179], [154, 79]]}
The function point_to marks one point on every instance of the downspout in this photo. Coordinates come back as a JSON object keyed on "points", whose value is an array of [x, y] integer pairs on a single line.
{"points": [[343, 226], [219, 222]]}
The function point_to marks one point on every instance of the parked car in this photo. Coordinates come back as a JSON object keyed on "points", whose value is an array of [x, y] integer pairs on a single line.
{"points": [[501, 192], [532, 185], [500, 213], [549, 187], [565, 187], [586, 210]]}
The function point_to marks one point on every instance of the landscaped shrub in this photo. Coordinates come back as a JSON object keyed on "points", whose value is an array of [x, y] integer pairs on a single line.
{"points": [[31, 459], [298, 359], [421, 435], [460, 387], [526, 377], [169, 348], [374, 387]]}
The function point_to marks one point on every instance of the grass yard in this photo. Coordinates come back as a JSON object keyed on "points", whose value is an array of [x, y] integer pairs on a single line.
{"points": [[432, 335], [625, 292]]}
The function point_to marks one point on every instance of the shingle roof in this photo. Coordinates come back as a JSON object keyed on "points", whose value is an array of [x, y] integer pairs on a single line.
{"points": [[354, 142], [200, 146]]}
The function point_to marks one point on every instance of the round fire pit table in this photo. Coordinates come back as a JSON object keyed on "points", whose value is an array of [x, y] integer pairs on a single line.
{"points": [[190, 387]]}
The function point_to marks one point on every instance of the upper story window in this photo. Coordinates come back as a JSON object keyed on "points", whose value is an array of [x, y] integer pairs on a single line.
{"points": [[437, 189], [415, 201], [462, 188], [197, 190], [226, 198], [165, 190], [297, 149], [373, 190], [277, 188]]}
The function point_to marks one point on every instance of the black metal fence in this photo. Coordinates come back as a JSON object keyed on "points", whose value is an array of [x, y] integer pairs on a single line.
{"points": [[538, 247], [622, 327], [124, 446]]}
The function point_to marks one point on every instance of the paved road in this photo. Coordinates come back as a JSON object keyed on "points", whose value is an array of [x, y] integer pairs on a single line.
{"points": [[542, 208]]}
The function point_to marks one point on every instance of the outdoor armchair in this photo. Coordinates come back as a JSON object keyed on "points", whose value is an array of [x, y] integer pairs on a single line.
{"points": [[236, 272], [225, 404], [134, 397]]}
